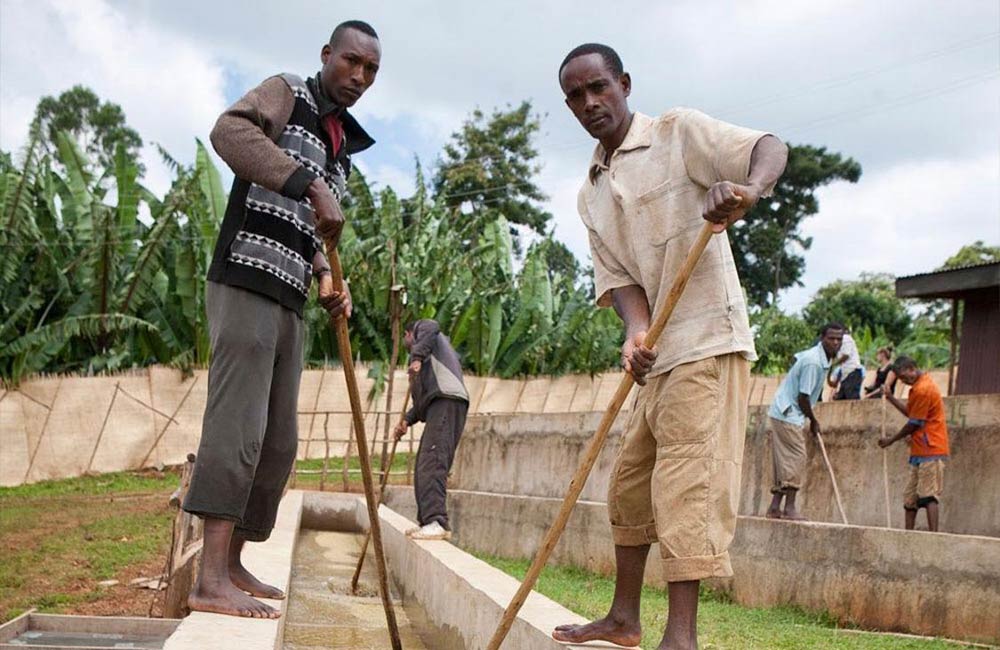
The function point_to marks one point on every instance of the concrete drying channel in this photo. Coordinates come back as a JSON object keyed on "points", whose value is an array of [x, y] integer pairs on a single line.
{"points": [[445, 598]]}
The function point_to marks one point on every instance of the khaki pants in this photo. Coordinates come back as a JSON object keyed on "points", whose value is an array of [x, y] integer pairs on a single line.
{"points": [[788, 451], [676, 479], [926, 484]]}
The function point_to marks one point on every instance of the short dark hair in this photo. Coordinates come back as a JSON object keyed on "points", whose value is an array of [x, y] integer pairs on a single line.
{"points": [[611, 58], [359, 25], [832, 326], [410, 326], [904, 362]]}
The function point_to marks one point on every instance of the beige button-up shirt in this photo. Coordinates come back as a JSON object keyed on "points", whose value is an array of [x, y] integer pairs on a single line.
{"points": [[643, 212]]}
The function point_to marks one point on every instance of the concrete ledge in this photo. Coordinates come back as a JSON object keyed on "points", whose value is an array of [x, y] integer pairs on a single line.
{"points": [[461, 596], [922, 583], [536, 455], [271, 561]]}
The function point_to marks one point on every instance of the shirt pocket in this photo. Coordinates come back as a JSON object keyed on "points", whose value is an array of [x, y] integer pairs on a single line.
{"points": [[655, 222]]}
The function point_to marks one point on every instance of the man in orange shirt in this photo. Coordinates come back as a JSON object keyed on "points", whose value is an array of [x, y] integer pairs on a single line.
{"points": [[928, 434]]}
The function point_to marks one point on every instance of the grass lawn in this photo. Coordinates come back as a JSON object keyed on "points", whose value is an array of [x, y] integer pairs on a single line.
{"points": [[722, 625], [59, 539]]}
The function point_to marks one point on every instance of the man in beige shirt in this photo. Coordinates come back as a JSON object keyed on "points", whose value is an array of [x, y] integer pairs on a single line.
{"points": [[649, 186]]}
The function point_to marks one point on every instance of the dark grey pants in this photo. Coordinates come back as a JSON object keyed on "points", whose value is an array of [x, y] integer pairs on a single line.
{"points": [[250, 432], [442, 431]]}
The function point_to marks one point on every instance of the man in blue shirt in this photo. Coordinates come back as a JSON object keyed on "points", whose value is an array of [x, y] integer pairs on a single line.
{"points": [[786, 419]]}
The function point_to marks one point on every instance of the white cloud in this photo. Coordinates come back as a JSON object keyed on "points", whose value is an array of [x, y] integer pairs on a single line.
{"points": [[904, 220], [170, 88], [930, 180]]}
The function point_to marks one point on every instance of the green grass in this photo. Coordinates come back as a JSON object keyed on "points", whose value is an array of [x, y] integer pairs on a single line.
{"points": [[58, 539], [335, 468], [722, 625]]}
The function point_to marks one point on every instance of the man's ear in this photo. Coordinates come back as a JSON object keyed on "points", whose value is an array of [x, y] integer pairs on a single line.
{"points": [[325, 53], [626, 81]]}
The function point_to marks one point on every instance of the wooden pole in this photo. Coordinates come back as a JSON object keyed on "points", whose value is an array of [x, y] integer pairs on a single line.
{"points": [[885, 471], [381, 496], [394, 316], [596, 443], [347, 359], [833, 479], [954, 344]]}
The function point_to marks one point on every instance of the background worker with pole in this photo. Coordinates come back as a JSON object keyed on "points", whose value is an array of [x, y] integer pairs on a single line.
{"points": [[650, 186], [441, 400]]}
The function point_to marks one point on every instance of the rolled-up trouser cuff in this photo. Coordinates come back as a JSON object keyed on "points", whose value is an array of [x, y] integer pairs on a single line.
{"points": [[634, 535], [194, 509], [682, 569], [253, 535], [785, 488]]}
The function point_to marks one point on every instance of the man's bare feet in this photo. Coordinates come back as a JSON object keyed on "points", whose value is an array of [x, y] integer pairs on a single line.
{"points": [[773, 513], [249, 583], [793, 515], [604, 629], [227, 599]]}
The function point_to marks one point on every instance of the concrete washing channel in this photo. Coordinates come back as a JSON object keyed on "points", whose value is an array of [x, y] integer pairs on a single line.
{"points": [[445, 598]]}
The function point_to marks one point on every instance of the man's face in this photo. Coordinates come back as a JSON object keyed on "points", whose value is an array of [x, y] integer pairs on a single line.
{"points": [[908, 376], [350, 66], [408, 339], [831, 342], [597, 99]]}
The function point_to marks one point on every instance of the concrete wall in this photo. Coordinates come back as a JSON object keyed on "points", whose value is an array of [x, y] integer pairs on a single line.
{"points": [[922, 583], [59, 427], [536, 455]]}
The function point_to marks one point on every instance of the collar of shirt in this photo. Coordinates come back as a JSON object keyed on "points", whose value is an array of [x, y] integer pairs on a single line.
{"points": [[820, 354], [639, 136], [357, 138]]}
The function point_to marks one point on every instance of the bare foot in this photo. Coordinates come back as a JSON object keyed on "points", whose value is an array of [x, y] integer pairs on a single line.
{"points": [[604, 629], [773, 513], [227, 599], [246, 581], [793, 515]]}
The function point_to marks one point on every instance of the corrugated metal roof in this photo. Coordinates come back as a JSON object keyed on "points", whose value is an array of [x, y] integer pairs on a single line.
{"points": [[957, 268]]}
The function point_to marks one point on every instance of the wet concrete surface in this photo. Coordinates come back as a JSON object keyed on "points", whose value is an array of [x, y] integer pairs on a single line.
{"points": [[321, 611]]}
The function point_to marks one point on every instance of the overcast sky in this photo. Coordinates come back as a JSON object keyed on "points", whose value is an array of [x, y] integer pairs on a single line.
{"points": [[910, 89]]}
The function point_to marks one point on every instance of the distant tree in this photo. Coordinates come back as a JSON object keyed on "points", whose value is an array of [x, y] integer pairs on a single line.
{"points": [[778, 336], [970, 255], [99, 128], [489, 169], [868, 302], [766, 243]]}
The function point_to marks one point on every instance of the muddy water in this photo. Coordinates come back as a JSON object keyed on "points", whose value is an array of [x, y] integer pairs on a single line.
{"points": [[321, 611]]}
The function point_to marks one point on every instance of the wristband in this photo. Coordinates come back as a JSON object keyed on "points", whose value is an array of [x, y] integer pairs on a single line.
{"points": [[321, 272]]}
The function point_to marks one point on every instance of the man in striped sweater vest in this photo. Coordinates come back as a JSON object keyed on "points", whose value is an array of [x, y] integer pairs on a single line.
{"points": [[289, 142]]}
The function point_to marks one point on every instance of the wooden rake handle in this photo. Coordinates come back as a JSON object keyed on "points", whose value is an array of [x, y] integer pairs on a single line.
{"points": [[347, 359], [597, 442], [381, 495]]}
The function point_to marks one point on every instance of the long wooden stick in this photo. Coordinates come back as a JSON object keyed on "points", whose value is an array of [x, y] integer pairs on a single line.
{"points": [[885, 471], [833, 479], [381, 495], [347, 359], [596, 443]]}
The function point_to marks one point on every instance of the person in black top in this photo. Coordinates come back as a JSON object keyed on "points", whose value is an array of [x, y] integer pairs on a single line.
{"points": [[884, 374]]}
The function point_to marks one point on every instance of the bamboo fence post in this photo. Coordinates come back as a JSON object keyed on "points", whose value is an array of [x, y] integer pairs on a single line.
{"points": [[597, 442]]}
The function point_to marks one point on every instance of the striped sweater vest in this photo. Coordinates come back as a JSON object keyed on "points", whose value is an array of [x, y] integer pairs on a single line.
{"points": [[267, 240]]}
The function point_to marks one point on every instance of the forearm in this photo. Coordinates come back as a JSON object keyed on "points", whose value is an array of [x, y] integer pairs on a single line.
{"points": [[244, 137], [898, 403], [320, 263], [908, 430], [631, 306], [767, 162], [806, 407]]}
